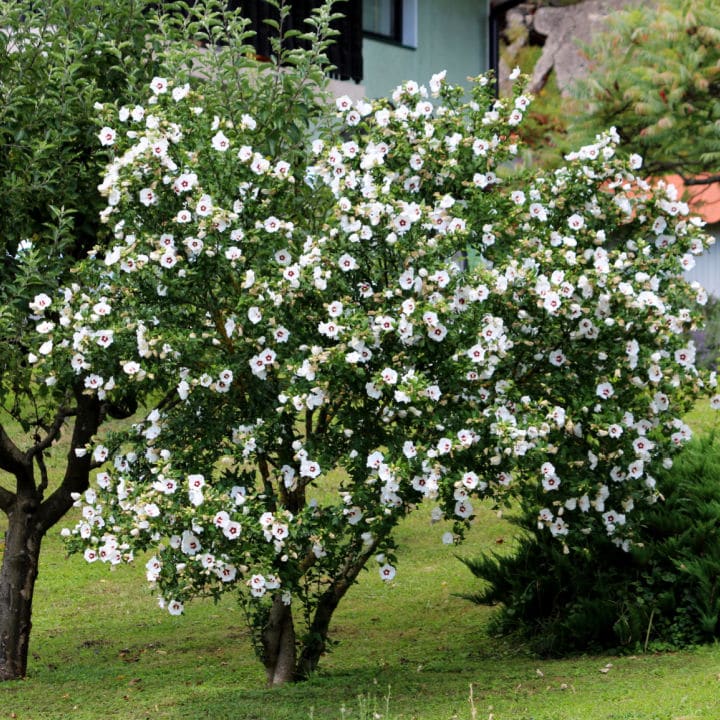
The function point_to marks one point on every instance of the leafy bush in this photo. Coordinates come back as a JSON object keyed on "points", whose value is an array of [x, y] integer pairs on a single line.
{"points": [[664, 593]]}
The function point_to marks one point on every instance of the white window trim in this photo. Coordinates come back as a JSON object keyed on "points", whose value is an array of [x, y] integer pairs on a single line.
{"points": [[409, 22]]}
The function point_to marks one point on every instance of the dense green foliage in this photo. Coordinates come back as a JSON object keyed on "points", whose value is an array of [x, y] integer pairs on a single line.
{"points": [[655, 76], [57, 59], [664, 593], [298, 399], [333, 330]]}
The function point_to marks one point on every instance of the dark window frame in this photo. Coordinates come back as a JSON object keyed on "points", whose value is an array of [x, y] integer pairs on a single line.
{"points": [[395, 37], [345, 53]]}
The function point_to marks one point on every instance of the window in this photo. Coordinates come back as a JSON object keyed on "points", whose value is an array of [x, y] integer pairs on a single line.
{"points": [[392, 20], [345, 53], [383, 17]]}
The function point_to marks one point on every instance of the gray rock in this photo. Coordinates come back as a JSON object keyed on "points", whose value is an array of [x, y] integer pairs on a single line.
{"points": [[565, 30]]}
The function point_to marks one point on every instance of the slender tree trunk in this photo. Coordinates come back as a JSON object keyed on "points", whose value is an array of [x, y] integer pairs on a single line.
{"points": [[278, 642], [316, 642], [17, 582], [317, 635]]}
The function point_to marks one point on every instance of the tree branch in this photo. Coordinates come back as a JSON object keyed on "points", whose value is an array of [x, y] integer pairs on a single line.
{"points": [[697, 180], [52, 433], [7, 499], [169, 400], [40, 459], [77, 469], [691, 171], [316, 637], [308, 423], [12, 459], [265, 475]]}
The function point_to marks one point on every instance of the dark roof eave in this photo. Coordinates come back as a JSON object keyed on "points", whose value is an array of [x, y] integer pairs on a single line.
{"points": [[503, 5]]}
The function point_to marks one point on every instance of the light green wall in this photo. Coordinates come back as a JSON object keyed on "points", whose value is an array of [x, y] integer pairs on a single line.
{"points": [[452, 36]]}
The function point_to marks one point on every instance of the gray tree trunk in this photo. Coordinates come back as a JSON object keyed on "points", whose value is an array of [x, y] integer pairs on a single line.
{"points": [[278, 642], [316, 640]]}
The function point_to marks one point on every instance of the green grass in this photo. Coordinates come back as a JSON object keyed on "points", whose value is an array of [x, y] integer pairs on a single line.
{"points": [[702, 419], [102, 649]]}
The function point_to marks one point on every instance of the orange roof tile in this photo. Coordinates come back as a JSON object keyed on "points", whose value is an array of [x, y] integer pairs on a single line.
{"points": [[703, 199]]}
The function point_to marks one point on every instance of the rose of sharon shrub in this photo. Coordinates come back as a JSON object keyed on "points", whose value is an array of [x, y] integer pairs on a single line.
{"points": [[399, 317]]}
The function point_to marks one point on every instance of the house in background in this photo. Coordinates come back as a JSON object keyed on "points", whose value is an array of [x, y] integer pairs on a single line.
{"points": [[383, 43], [704, 200], [413, 39]]}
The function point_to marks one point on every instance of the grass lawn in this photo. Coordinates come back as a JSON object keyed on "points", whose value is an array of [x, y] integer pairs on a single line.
{"points": [[101, 649]]}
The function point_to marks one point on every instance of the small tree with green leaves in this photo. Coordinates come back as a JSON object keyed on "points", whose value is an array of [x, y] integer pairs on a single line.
{"points": [[329, 360], [655, 77], [59, 60]]}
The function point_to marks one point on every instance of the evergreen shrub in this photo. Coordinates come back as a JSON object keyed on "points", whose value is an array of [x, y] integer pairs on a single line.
{"points": [[662, 594]]}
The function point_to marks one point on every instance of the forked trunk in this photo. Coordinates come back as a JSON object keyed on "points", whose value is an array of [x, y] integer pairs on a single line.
{"points": [[282, 663], [278, 640], [17, 582], [29, 518]]}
